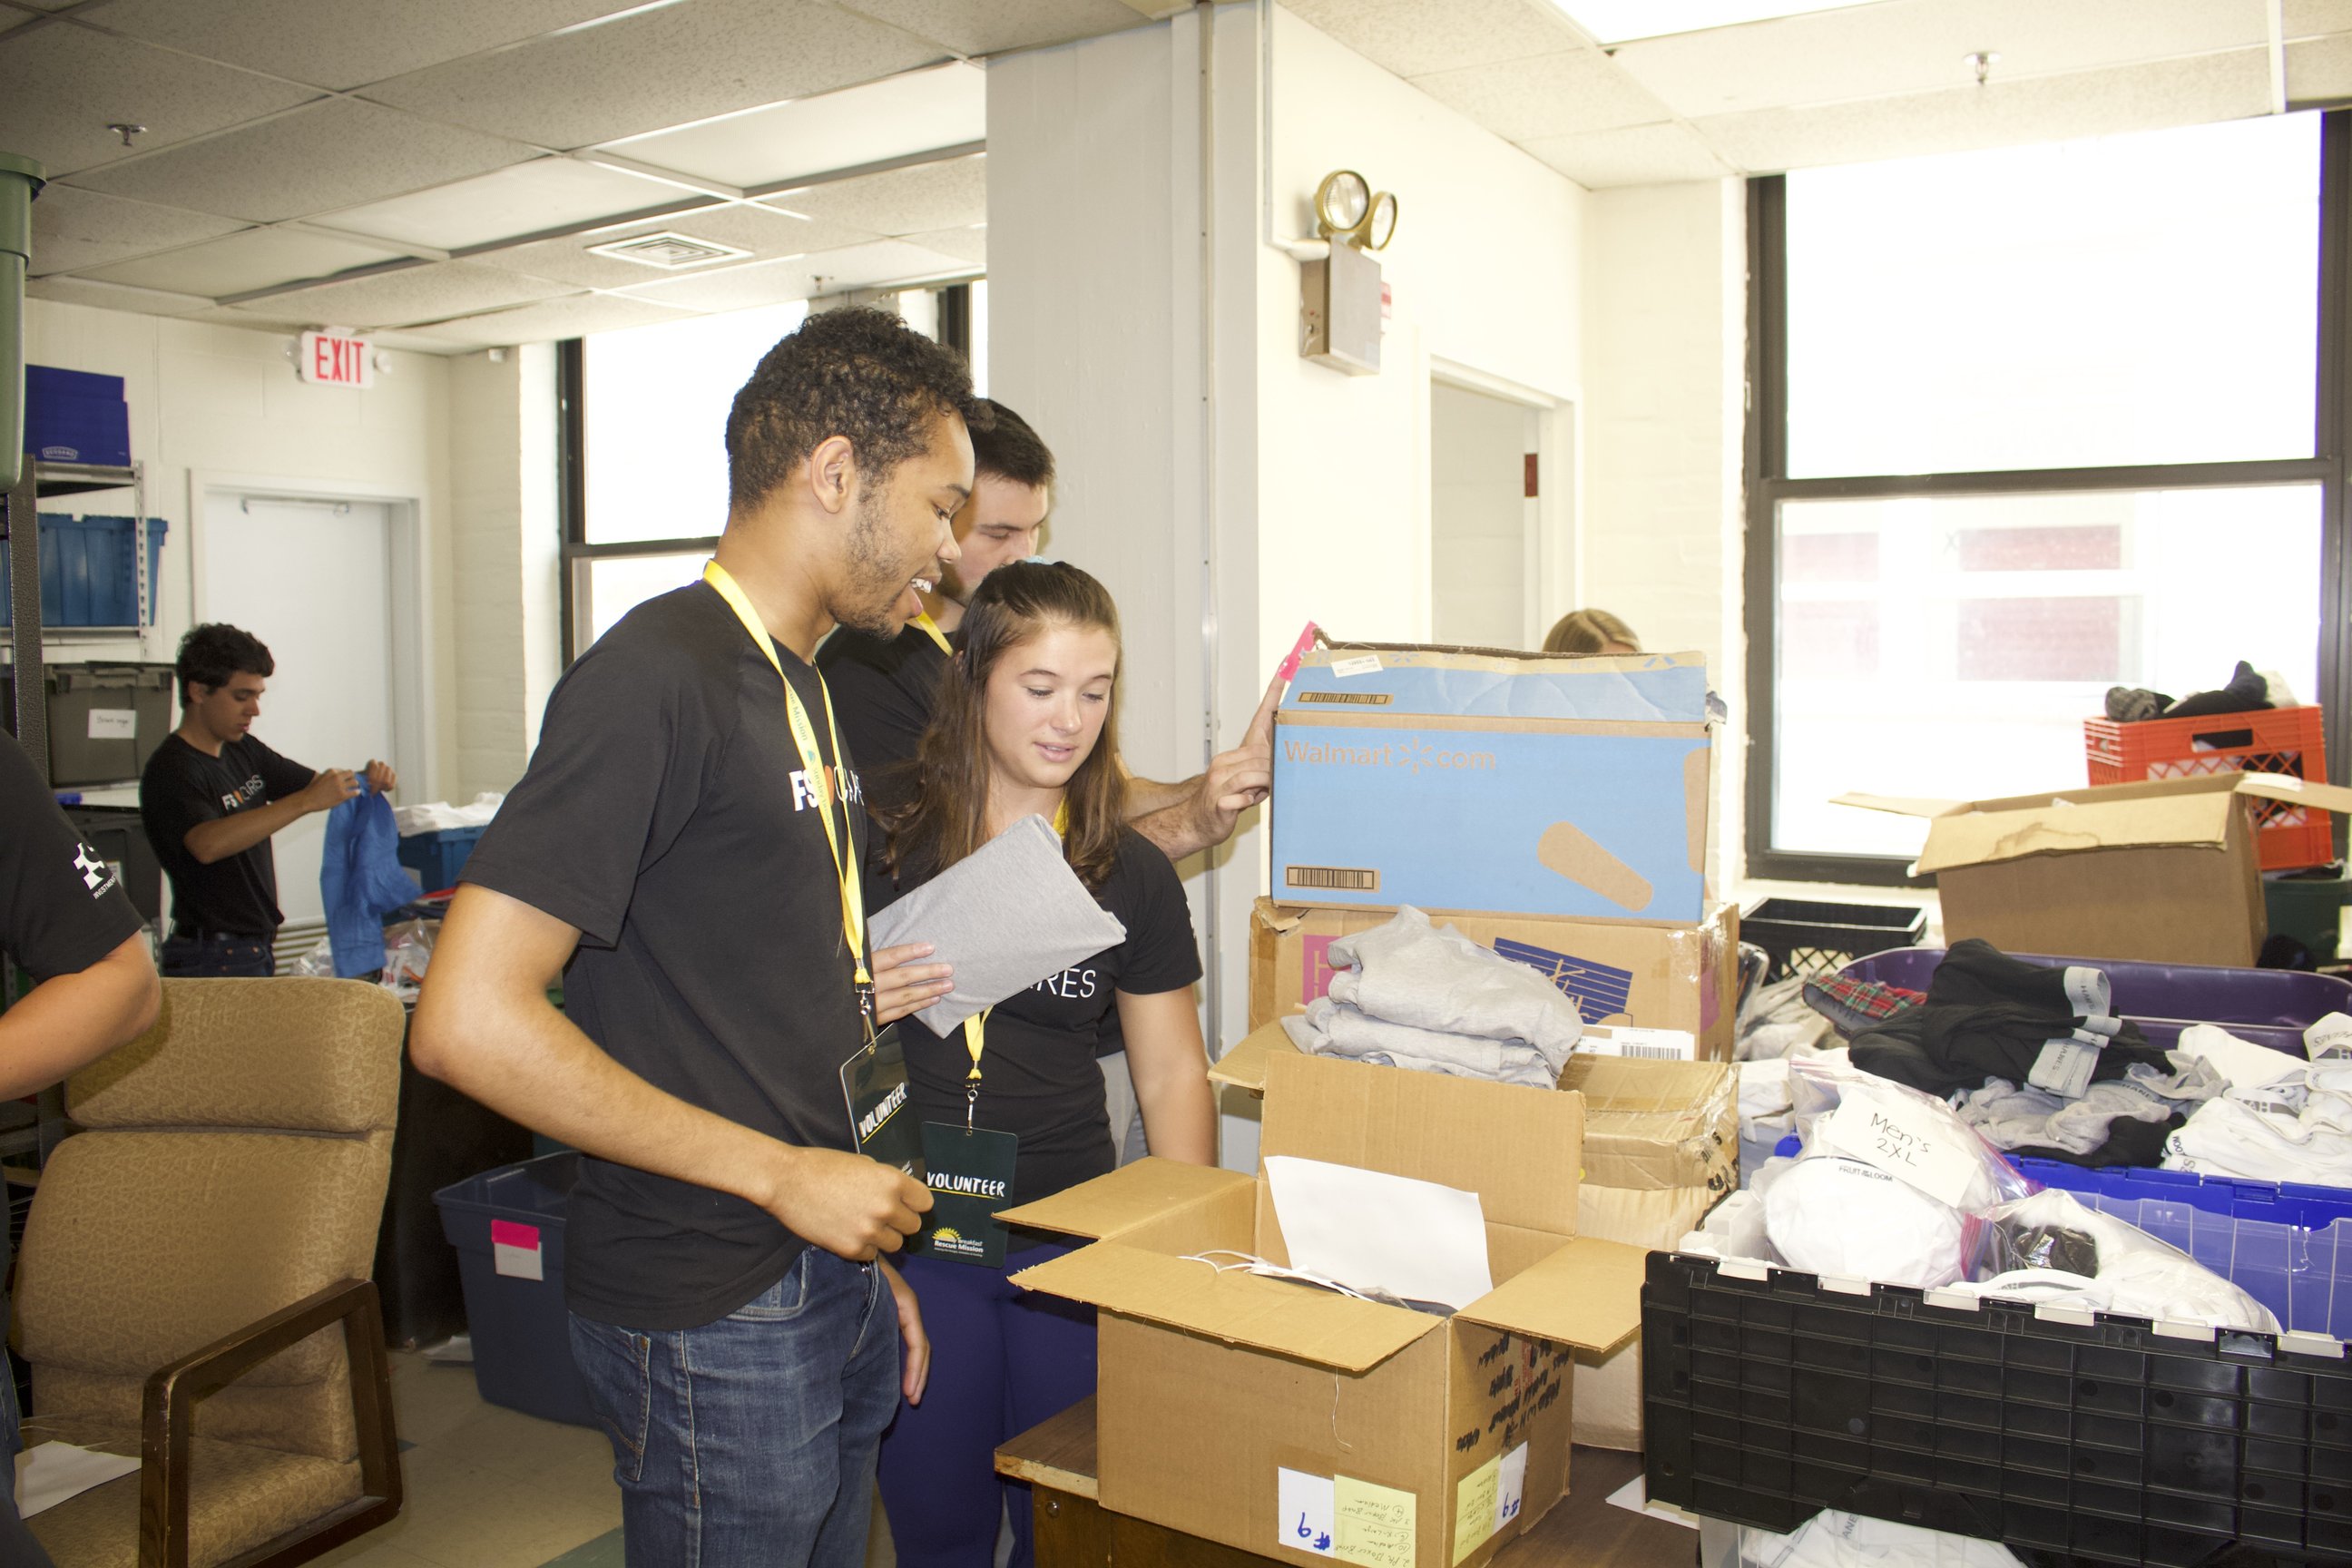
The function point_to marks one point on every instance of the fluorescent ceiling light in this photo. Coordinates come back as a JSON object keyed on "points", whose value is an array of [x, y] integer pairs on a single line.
{"points": [[1621, 21]]}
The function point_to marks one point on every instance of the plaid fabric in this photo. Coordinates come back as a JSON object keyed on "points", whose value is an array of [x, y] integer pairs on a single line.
{"points": [[1852, 1005]]}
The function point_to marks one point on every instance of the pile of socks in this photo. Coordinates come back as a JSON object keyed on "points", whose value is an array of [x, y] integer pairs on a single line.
{"points": [[1411, 994]]}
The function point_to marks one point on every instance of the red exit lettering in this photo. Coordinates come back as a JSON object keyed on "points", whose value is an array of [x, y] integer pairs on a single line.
{"points": [[334, 361]]}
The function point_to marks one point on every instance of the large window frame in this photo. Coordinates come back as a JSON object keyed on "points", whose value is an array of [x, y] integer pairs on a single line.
{"points": [[1768, 487]]}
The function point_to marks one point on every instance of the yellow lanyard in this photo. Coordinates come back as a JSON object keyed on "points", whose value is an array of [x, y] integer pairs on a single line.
{"points": [[975, 1028], [931, 628], [821, 783]]}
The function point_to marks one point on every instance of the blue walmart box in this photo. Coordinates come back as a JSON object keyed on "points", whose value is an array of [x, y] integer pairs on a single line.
{"points": [[1521, 784]]}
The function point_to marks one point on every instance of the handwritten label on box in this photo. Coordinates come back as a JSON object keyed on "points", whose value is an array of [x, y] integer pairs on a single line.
{"points": [[1376, 1524], [1303, 1511]]}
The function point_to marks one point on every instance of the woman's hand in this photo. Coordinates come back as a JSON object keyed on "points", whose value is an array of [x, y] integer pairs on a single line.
{"points": [[915, 1354], [902, 986]]}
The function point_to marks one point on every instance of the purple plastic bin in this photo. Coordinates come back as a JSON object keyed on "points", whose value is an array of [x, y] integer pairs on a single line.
{"points": [[2277, 999]]}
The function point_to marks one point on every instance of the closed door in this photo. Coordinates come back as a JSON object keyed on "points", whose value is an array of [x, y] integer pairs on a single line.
{"points": [[312, 582]]}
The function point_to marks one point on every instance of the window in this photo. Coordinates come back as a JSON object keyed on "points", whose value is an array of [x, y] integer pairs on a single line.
{"points": [[2027, 425], [644, 422]]}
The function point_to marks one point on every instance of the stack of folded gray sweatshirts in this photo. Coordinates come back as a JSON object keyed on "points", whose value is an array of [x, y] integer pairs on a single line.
{"points": [[1408, 995]]}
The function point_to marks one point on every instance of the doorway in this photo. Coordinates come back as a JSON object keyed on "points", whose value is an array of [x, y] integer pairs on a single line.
{"points": [[327, 583], [1484, 528]]}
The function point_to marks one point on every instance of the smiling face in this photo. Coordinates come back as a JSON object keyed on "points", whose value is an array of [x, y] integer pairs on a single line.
{"points": [[1047, 696], [1001, 523], [901, 533]]}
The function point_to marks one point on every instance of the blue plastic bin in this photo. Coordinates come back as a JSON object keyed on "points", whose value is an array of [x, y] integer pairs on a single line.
{"points": [[2303, 1205], [521, 1331], [437, 857], [74, 416], [2298, 1274], [89, 571]]}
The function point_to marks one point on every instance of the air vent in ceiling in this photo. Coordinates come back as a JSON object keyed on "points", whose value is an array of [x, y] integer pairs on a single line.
{"points": [[669, 251]]}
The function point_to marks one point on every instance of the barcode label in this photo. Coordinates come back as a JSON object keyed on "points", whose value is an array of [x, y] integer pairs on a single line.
{"points": [[1658, 1053], [1648, 1044], [1355, 699], [1344, 878]]}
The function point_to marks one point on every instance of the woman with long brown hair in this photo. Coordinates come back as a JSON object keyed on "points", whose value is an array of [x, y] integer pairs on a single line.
{"points": [[1027, 724]]}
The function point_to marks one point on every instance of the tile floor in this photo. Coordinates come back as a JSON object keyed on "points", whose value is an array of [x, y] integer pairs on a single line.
{"points": [[491, 1487]]}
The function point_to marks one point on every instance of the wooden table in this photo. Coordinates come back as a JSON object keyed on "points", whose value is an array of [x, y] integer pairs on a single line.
{"points": [[1075, 1531]]}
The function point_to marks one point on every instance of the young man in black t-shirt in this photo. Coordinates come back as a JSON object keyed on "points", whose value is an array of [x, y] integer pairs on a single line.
{"points": [[64, 919], [211, 797], [684, 852]]}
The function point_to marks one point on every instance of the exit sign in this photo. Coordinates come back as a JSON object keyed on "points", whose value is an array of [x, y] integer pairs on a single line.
{"points": [[335, 361]]}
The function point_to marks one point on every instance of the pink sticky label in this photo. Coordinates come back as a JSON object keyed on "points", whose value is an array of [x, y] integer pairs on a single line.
{"points": [[1298, 650], [1315, 974], [510, 1233]]}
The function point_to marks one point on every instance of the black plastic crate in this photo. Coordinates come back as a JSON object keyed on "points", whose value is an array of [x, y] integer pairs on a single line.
{"points": [[2101, 1441], [1806, 937]]}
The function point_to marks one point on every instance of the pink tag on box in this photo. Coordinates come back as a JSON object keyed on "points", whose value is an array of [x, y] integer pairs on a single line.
{"points": [[514, 1249]]}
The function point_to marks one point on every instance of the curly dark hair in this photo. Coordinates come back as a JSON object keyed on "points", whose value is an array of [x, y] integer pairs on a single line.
{"points": [[854, 371], [1011, 450], [212, 653]]}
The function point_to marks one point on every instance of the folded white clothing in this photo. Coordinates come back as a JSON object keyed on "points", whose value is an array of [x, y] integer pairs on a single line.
{"points": [[1433, 977], [2227, 1137], [2243, 1063], [1328, 1028], [2010, 1117], [2136, 1275], [1828, 1214], [435, 815], [1834, 1540]]}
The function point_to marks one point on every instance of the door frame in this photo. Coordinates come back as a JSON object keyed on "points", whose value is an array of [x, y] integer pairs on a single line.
{"points": [[1551, 556], [408, 611]]}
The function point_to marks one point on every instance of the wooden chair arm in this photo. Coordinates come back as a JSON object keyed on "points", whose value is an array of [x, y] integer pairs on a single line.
{"points": [[167, 1424]]}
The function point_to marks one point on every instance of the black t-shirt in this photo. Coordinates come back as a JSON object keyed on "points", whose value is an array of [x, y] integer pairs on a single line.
{"points": [[665, 816], [1038, 1078], [884, 693], [182, 788]]}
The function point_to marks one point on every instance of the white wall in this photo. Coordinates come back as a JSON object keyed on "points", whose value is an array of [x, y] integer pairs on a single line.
{"points": [[225, 403]]}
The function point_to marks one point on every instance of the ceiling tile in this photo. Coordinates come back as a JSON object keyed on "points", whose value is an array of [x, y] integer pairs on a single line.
{"points": [[2044, 109], [257, 258], [1638, 155], [2319, 70], [949, 194], [1920, 46], [342, 43], [659, 67], [573, 316], [113, 297], [780, 282], [74, 229], [1549, 95], [912, 112], [60, 85], [768, 235], [522, 198], [2309, 18], [434, 291], [991, 30], [330, 155], [967, 244], [1411, 38]]}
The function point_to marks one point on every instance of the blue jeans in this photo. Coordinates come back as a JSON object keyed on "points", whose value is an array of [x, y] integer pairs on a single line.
{"points": [[218, 957], [17, 1547], [1002, 1360], [750, 1440]]}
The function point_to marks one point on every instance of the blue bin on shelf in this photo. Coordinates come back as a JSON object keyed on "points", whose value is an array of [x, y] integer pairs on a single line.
{"points": [[507, 1228], [89, 574], [437, 857]]}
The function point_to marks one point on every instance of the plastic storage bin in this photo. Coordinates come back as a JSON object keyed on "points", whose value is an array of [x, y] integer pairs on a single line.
{"points": [[1805, 937], [120, 839], [89, 571], [104, 718], [437, 857], [2310, 908], [2198, 993], [2301, 1204], [1769, 1399], [2271, 740], [74, 416], [507, 1228]]}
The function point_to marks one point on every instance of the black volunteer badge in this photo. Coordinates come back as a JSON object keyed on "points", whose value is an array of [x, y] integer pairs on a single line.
{"points": [[98, 874]]}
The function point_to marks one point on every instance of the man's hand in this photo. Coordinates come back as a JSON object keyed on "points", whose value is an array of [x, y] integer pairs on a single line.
{"points": [[381, 779], [851, 1206], [1241, 778], [915, 1363], [328, 789], [902, 987]]}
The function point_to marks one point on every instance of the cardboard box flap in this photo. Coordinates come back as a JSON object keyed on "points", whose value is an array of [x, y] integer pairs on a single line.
{"points": [[1518, 1149], [1651, 687], [1588, 1294], [1127, 1196], [1901, 805], [1988, 837], [1244, 1066], [2304, 792], [1236, 1306]]}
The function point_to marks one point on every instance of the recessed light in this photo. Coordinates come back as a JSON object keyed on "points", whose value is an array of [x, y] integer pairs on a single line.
{"points": [[668, 250], [1622, 21]]}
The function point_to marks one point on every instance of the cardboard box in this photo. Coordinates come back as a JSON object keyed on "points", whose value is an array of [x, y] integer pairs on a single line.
{"points": [[1608, 1388], [2166, 870], [1530, 783], [1617, 971], [1212, 1384]]}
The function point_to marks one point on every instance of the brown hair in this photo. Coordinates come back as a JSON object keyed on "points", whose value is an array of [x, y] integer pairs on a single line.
{"points": [[1588, 631], [947, 817]]}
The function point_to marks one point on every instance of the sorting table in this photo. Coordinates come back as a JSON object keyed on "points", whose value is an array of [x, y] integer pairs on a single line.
{"points": [[1056, 1458]]}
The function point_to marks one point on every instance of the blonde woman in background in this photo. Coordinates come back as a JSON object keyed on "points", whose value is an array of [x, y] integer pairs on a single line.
{"points": [[1592, 631]]}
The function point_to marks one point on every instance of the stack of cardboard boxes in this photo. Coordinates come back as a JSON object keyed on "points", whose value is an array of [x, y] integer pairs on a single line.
{"points": [[1556, 811]]}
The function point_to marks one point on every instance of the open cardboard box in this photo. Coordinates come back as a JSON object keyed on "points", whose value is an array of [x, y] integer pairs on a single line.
{"points": [[2166, 870], [1419, 1428]]}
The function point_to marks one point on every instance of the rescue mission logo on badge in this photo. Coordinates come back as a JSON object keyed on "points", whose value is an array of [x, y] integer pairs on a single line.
{"points": [[950, 1242]]}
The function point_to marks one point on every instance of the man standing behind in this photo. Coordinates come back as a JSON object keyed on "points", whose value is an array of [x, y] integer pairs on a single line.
{"points": [[684, 852], [211, 797]]}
